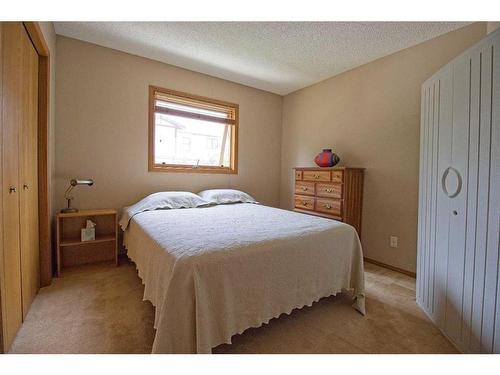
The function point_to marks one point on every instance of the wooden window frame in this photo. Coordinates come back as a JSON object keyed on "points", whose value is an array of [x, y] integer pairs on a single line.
{"points": [[153, 167]]}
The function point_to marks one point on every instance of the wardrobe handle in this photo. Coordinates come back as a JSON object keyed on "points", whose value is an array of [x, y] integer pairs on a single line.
{"points": [[459, 182], [25, 187], [12, 189]]}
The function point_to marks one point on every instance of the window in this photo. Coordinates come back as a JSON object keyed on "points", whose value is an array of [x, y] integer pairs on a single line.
{"points": [[186, 141], [212, 143], [189, 133]]}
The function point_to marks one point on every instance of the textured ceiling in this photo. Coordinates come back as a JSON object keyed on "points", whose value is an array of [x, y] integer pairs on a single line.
{"points": [[279, 57]]}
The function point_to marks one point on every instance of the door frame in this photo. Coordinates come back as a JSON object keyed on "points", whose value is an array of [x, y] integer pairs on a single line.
{"points": [[37, 38]]}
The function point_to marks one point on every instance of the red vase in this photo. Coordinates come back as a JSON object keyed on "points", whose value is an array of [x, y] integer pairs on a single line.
{"points": [[326, 158]]}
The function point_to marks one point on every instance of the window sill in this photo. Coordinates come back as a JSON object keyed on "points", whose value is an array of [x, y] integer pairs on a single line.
{"points": [[186, 169]]}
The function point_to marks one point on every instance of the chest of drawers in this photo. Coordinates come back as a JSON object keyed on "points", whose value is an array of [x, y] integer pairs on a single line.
{"points": [[335, 193]]}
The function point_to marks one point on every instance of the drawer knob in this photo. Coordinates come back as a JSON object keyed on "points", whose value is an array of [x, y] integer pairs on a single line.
{"points": [[12, 189], [304, 188], [26, 187], [329, 190], [328, 206], [316, 175], [304, 203]]}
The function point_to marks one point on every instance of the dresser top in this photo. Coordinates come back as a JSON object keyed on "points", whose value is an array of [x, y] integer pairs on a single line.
{"points": [[325, 168]]}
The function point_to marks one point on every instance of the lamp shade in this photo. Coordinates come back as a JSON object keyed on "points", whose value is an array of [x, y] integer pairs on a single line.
{"points": [[75, 182]]}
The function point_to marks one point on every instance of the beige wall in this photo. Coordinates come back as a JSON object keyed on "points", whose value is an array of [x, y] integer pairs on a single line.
{"points": [[102, 128], [370, 116], [492, 26]]}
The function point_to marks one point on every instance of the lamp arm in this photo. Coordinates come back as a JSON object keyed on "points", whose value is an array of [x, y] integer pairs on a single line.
{"points": [[68, 190]]}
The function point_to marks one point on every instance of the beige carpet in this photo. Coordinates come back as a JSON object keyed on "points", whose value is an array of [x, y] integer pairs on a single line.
{"points": [[99, 309]]}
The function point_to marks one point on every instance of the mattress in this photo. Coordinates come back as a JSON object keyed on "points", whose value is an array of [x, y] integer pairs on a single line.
{"points": [[213, 272]]}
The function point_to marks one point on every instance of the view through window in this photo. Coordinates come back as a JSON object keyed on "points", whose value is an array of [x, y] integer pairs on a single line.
{"points": [[192, 133]]}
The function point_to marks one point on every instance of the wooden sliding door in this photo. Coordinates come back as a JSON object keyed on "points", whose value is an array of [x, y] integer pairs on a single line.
{"points": [[19, 222], [28, 176], [12, 106]]}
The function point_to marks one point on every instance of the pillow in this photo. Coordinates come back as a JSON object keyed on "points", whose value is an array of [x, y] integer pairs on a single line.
{"points": [[161, 200], [222, 196]]}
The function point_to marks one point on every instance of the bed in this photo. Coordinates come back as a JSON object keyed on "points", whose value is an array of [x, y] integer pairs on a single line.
{"points": [[213, 272]]}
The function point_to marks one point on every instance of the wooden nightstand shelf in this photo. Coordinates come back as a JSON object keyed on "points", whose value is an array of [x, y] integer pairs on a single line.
{"points": [[71, 251]]}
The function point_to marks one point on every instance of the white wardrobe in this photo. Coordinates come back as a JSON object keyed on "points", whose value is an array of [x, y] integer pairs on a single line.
{"points": [[458, 276]]}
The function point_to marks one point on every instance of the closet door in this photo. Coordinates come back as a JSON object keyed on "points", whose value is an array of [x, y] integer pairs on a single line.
{"points": [[477, 309], [473, 273], [483, 335], [12, 109], [474, 205], [435, 157], [28, 176], [495, 182], [454, 185], [458, 282]]}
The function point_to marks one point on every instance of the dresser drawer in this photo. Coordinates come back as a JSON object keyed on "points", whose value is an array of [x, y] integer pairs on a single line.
{"points": [[304, 188], [329, 206], [329, 190], [338, 176], [305, 203], [298, 175], [316, 175]]}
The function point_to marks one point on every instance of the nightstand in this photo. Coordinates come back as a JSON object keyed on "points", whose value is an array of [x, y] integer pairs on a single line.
{"points": [[71, 251]]}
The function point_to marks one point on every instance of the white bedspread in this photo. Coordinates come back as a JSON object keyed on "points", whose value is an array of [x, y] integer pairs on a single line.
{"points": [[213, 272]]}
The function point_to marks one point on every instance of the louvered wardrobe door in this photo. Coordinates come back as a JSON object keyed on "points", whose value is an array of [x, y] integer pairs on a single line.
{"points": [[11, 105], [28, 177]]}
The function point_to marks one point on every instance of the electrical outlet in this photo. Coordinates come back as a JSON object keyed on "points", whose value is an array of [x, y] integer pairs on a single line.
{"points": [[393, 241]]}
